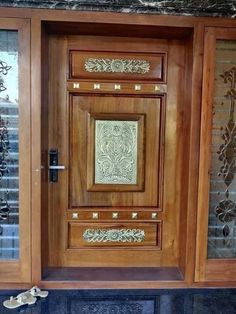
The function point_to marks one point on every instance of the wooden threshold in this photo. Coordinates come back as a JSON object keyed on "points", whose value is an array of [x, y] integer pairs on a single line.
{"points": [[112, 274]]}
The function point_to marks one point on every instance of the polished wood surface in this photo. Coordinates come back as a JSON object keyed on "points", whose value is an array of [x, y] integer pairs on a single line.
{"points": [[83, 190], [85, 87], [151, 235], [156, 70], [148, 27], [162, 144], [106, 214]]}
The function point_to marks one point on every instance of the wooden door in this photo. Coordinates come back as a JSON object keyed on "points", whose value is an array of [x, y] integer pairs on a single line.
{"points": [[115, 203]]}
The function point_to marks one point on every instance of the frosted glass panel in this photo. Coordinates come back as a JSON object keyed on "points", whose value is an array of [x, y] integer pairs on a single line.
{"points": [[116, 152], [9, 129], [222, 212]]}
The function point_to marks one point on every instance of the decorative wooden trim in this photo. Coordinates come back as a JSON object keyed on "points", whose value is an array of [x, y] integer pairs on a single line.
{"points": [[118, 87], [205, 154], [36, 148]]}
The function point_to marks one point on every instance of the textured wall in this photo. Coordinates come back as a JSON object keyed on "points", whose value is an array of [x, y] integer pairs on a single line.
{"points": [[178, 7]]}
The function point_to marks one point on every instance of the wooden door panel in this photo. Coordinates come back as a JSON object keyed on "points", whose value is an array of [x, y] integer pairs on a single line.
{"points": [[118, 66], [119, 235], [84, 112]]}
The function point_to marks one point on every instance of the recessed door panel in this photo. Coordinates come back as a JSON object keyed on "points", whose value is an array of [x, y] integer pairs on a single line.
{"points": [[114, 147]]}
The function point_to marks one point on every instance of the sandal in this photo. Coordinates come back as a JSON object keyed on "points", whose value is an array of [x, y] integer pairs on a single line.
{"points": [[36, 292], [22, 299]]}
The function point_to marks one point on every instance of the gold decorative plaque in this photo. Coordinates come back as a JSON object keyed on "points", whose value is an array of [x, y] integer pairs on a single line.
{"points": [[134, 66], [116, 152], [114, 235]]}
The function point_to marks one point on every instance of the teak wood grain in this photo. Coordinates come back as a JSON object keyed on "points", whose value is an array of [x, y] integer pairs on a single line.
{"points": [[83, 190], [148, 28], [162, 145], [156, 71], [76, 231]]}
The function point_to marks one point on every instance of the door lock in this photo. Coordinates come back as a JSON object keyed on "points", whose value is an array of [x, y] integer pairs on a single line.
{"points": [[53, 165]]}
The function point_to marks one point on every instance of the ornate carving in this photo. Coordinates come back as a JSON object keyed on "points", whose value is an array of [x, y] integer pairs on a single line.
{"points": [[226, 209], [116, 152], [4, 147], [114, 235], [4, 68], [227, 153], [115, 308], [134, 66]]}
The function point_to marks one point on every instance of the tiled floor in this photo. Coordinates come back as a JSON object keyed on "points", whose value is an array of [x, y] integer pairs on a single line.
{"points": [[189, 301]]}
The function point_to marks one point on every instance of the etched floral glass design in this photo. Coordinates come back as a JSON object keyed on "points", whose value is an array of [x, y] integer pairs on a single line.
{"points": [[116, 152], [9, 131], [222, 211]]}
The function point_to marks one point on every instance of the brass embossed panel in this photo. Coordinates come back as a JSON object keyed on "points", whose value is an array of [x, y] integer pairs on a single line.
{"points": [[116, 152], [114, 235], [117, 65]]}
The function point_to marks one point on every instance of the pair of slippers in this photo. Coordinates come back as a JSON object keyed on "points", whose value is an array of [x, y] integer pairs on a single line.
{"points": [[28, 297]]}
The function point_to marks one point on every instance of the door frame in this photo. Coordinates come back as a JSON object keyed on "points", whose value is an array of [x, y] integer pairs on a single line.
{"points": [[190, 114]]}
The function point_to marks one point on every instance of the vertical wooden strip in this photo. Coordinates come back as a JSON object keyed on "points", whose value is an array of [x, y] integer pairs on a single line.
{"points": [[24, 151], [36, 147], [205, 154], [192, 99]]}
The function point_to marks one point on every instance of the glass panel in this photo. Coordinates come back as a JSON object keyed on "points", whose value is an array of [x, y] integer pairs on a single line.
{"points": [[9, 180], [222, 216], [116, 152]]}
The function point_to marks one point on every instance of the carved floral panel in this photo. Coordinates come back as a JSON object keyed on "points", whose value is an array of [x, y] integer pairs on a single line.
{"points": [[116, 152], [134, 66], [114, 235]]}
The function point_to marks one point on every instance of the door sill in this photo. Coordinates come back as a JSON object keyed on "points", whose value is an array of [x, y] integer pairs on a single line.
{"points": [[122, 274]]}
